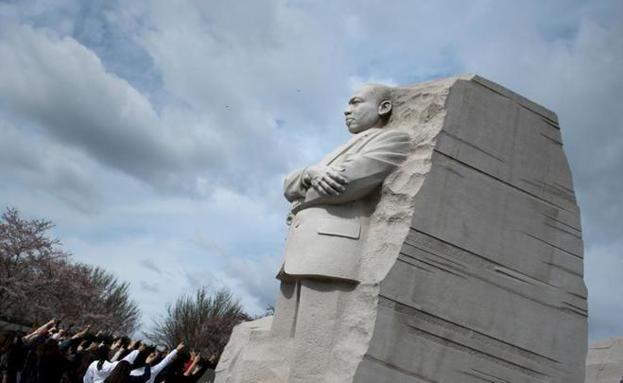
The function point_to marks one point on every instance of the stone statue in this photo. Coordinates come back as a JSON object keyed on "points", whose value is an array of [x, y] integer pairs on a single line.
{"points": [[442, 243], [332, 202]]}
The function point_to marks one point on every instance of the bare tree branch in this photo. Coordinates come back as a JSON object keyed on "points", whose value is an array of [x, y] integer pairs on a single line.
{"points": [[202, 322]]}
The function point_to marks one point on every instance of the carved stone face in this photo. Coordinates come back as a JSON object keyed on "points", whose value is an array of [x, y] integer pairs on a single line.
{"points": [[365, 109]]}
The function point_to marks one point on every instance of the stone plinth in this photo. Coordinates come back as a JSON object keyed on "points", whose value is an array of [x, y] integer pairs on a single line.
{"points": [[472, 270]]}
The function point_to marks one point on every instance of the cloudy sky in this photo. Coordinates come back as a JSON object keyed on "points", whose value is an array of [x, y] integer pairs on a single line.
{"points": [[155, 134]]}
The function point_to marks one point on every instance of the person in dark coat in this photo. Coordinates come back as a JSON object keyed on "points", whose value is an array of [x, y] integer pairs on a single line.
{"points": [[51, 363], [13, 353]]}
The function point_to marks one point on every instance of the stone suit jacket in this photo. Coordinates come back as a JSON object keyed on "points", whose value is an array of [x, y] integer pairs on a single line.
{"points": [[327, 232]]}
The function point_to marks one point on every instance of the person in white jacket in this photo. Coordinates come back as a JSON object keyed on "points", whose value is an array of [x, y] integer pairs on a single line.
{"points": [[99, 370], [155, 370]]}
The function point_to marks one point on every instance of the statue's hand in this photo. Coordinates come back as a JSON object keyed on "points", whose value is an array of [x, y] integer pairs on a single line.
{"points": [[326, 180]]}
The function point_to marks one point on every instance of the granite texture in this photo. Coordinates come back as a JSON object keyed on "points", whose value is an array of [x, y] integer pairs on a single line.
{"points": [[604, 362], [472, 266]]}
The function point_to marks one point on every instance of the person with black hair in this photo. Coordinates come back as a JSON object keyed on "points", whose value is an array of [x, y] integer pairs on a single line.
{"points": [[101, 367], [86, 355], [74, 362], [160, 366], [13, 354], [121, 373], [119, 347], [51, 363], [31, 344], [181, 372], [195, 369]]}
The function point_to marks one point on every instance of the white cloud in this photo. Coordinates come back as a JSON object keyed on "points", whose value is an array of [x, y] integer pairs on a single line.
{"points": [[63, 86], [28, 159], [155, 133]]}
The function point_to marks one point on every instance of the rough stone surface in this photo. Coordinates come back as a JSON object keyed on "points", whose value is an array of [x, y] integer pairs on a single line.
{"points": [[472, 267], [604, 362]]}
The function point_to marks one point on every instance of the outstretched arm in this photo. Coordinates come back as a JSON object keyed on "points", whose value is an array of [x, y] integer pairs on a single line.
{"points": [[141, 378], [155, 370], [131, 357], [39, 331], [82, 333]]}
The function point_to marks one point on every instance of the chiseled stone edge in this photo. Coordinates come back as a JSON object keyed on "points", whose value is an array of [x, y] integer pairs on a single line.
{"points": [[421, 111]]}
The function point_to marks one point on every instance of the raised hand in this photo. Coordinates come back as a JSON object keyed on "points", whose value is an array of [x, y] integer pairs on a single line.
{"points": [[195, 357], [82, 333], [81, 345], [180, 347], [151, 357]]}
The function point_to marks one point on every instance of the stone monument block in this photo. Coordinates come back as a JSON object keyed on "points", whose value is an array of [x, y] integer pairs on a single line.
{"points": [[469, 263], [604, 362]]}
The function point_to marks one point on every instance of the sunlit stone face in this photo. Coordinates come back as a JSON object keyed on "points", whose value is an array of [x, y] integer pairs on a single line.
{"points": [[363, 110]]}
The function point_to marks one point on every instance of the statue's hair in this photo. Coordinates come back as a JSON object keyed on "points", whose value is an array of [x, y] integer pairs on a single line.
{"points": [[380, 91]]}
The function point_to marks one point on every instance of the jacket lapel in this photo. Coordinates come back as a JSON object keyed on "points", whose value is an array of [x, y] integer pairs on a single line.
{"points": [[360, 138]]}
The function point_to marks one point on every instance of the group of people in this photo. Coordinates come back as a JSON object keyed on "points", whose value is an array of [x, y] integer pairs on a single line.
{"points": [[53, 355]]}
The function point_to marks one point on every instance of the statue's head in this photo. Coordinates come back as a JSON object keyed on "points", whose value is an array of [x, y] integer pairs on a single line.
{"points": [[368, 107]]}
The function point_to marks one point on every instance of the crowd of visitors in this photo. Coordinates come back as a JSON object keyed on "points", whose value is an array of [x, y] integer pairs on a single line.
{"points": [[54, 355]]}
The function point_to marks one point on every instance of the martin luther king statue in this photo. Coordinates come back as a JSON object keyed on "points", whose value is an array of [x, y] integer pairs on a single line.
{"points": [[441, 243], [332, 202]]}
